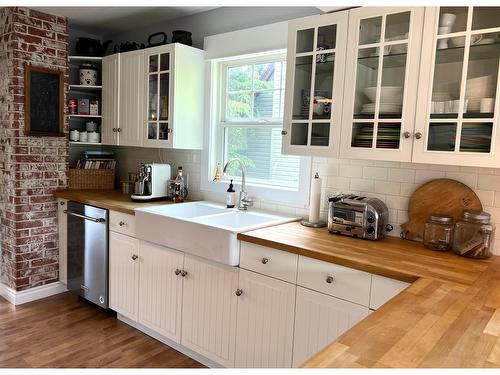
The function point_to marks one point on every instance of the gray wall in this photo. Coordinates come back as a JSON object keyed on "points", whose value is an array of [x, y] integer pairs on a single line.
{"points": [[217, 21]]}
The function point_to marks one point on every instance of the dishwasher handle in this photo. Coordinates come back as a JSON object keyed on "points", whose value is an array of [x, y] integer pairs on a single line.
{"points": [[94, 219]]}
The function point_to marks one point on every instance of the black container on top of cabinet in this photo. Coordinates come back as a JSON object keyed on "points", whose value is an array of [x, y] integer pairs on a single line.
{"points": [[182, 36], [91, 47]]}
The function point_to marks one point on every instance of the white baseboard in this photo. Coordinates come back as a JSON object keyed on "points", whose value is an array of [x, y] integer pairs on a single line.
{"points": [[180, 348], [29, 295]]}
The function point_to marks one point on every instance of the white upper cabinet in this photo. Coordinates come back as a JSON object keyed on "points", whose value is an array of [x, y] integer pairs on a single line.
{"points": [[174, 79], [154, 97], [381, 78], [130, 98], [315, 64], [457, 121], [110, 88]]}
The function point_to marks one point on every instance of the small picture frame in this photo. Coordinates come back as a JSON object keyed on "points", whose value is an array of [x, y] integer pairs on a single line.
{"points": [[44, 101]]}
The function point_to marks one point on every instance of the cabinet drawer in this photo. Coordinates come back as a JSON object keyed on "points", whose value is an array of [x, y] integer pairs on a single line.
{"points": [[384, 289], [271, 262], [122, 223], [342, 282]]}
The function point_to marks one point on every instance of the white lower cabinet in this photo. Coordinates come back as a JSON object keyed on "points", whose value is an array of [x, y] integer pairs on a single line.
{"points": [[160, 289], [209, 309], [264, 334], [237, 317], [319, 320], [123, 274]]}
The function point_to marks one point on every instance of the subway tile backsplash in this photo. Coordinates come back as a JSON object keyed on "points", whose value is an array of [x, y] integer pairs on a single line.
{"points": [[392, 182]]}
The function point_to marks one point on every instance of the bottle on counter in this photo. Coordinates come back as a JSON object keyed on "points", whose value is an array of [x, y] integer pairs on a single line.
{"points": [[231, 196], [179, 186]]}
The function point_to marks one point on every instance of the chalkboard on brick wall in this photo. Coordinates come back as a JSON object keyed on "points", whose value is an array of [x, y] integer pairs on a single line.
{"points": [[44, 101]]}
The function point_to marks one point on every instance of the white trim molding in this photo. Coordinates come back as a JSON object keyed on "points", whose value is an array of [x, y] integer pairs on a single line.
{"points": [[33, 294]]}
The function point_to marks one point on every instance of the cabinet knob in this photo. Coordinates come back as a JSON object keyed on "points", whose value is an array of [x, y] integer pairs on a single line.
{"points": [[119, 130], [284, 132], [121, 223], [238, 292], [183, 273], [406, 134], [134, 257], [265, 260], [114, 130], [418, 135], [177, 272], [329, 279], [62, 203], [169, 130]]}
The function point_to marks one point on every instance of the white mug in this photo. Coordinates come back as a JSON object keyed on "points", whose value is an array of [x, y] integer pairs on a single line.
{"points": [[74, 135], [439, 107], [94, 137], [83, 136], [487, 105], [447, 19], [442, 43], [444, 30]]}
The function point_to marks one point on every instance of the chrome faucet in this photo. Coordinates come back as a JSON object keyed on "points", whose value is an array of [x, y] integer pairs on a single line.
{"points": [[244, 201]]}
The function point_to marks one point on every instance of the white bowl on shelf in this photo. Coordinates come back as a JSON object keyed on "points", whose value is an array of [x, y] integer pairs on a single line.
{"points": [[388, 94]]}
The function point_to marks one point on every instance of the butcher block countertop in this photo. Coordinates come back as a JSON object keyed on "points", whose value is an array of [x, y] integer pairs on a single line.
{"points": [[108, 199], [448, 317]]}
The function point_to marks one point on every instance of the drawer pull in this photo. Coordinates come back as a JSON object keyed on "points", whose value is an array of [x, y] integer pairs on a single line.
{"points": [[177, 272], [329, 279], [183, 273], [121, 223], [264, 260], [134, 257], [238, 292]]}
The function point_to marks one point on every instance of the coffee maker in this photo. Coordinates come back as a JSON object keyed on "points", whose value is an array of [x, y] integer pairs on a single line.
{"points": [[151, 182]]}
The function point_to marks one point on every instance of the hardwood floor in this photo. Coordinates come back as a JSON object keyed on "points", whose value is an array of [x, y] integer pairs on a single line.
{"points": [[63, 331]]}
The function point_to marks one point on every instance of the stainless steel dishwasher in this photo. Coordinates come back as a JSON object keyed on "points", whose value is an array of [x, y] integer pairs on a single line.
{"points": [[88, 252]]}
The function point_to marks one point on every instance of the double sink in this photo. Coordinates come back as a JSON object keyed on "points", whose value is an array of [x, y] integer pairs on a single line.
{"points": [[204, 229]]}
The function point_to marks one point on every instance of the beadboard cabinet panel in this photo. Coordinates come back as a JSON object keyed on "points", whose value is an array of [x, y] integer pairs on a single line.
{"points": [[209, 309], [265, 321], [160, 290], [123, 274], [319, 320]]}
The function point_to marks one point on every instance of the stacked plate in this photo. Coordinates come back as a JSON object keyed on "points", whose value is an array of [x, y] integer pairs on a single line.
{"points": [[441, 96], [383, 108], [479, 88]]}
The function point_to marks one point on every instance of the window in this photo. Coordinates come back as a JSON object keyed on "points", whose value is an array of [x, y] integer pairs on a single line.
{"points": [[250, 121]]}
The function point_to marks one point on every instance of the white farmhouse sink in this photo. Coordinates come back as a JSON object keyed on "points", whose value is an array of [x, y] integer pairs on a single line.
{"points": [[204, 229]]}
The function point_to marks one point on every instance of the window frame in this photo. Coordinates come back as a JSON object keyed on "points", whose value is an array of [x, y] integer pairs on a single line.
{"points": [[214, 145]]}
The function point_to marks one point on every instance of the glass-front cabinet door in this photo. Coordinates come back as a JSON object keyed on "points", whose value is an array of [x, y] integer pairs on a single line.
{"points": [[158, 124], [459, 86], [381, 83], [315, 79]]}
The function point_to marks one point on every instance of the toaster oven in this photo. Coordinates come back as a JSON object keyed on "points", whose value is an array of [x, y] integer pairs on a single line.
{"points": [[358, 216]]}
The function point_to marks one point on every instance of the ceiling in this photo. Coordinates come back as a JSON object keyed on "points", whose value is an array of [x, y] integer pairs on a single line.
{"points": [[103, 20]]}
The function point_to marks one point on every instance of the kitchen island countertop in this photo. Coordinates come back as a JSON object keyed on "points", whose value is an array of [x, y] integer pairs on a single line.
{"points": [[448, 317]]}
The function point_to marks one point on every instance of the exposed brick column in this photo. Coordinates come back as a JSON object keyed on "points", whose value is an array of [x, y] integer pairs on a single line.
{"points": [[31, 168]]}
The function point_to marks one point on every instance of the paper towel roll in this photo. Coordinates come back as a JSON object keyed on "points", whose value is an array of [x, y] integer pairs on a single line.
{"points": [[315, 199]]}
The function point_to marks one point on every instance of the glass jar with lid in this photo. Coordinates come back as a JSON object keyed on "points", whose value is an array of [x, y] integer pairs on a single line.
{"points": [[474, 235], [438, 233]]}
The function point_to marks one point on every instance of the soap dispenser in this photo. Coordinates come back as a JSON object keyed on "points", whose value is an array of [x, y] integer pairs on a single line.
{"points": [[231, 196]]}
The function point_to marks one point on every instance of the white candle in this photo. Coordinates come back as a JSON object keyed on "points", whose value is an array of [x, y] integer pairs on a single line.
{"points": [[315, 199]]}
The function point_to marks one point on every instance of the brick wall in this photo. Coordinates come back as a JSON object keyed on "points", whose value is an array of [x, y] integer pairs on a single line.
{"points": [[31, 168]]}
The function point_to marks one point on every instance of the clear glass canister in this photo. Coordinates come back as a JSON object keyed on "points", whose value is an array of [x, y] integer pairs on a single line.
{"points": [[438, 233], [474, 235]]}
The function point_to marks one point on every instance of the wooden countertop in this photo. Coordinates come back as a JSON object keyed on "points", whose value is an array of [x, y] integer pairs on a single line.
{"points": [[108, 199], [448, 317]]}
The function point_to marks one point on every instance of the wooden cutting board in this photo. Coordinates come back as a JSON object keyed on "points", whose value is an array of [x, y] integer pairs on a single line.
{"points": [[438, 197]]}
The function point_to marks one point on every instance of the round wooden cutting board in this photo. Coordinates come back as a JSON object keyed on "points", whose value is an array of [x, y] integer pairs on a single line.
{"points": [[438, 197]]}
